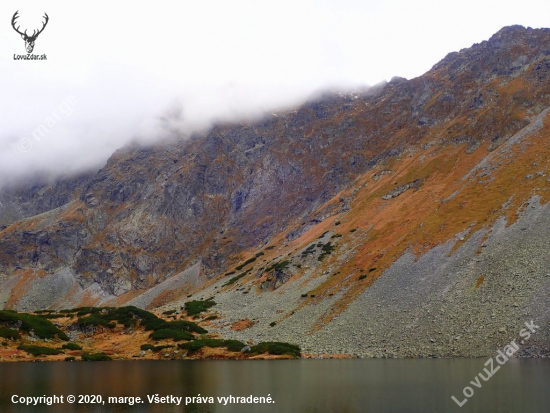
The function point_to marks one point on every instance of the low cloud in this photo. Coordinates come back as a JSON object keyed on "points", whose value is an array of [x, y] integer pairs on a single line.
{"points": [[146, 71]]}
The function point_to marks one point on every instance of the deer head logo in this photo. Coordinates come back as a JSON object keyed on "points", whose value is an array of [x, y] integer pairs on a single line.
{"points": [[29, 40]]}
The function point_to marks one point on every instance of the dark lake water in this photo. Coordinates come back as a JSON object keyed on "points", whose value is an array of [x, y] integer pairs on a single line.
{"points": [[308, 386]]}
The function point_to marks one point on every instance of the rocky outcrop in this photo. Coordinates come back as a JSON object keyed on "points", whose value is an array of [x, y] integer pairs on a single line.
{"points": [[417, 183]]}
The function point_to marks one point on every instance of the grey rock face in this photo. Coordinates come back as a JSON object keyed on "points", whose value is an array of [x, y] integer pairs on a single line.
{"points": [[152, 212]]}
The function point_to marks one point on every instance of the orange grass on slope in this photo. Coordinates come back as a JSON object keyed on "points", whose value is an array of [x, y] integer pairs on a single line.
{"points": [[419, 220]]}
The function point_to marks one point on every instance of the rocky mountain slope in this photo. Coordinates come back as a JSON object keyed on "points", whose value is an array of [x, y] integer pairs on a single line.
{"points": [[407, 221]]}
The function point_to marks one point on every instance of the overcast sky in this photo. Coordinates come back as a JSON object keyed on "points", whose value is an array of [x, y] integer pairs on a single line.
{"points": [[126, 64]]}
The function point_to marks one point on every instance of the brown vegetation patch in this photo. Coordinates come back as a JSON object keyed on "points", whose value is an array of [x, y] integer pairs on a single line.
{"points": [[242, 325]]}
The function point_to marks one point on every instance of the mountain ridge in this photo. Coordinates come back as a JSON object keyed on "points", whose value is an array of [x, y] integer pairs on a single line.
{"points": [[342, 188]]}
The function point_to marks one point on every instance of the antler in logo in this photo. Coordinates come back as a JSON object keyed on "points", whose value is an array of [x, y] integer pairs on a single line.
{"points": [[29, 40]]}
